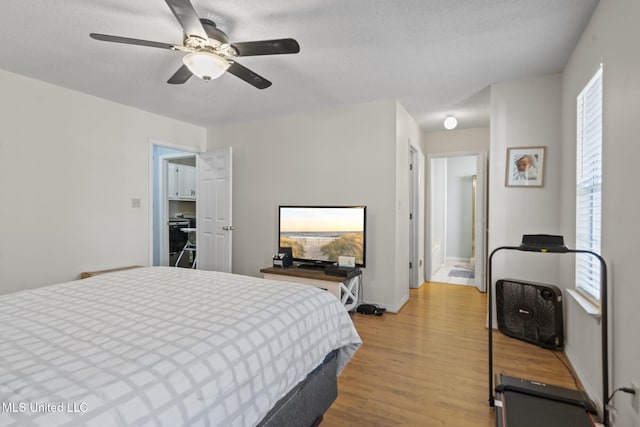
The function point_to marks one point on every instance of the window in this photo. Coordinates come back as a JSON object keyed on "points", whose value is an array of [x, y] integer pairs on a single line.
{"points": [[589, 185]]}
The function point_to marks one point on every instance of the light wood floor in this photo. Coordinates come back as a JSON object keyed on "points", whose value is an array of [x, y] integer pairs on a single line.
{"points": [[427, 365]]}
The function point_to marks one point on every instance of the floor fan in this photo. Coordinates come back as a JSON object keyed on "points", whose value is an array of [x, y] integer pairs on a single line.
{"points": [[530, 312]]}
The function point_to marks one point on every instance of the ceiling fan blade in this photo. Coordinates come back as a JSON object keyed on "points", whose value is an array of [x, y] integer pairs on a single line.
{"points": [[187, 17], [248, 76], [127, 40], [181, 76], [267, 47]]}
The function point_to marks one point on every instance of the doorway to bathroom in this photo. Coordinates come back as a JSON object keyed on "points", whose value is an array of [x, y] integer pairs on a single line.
{"points": [[456, 226]]}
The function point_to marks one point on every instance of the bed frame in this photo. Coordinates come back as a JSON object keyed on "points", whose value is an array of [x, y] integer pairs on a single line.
{"points": [[309, 400]]}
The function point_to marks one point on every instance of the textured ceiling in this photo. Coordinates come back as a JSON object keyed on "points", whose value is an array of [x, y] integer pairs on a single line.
{"points": [[435, 57]]}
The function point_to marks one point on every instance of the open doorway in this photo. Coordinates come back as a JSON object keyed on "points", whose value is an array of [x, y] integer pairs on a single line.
{"points": [[416, 217], [174, 207], [180, 208], [204, 196], [456, 206]]}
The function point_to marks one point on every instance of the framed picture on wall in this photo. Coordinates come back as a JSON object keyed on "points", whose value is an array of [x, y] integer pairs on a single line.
{"points": [[525, 167]]}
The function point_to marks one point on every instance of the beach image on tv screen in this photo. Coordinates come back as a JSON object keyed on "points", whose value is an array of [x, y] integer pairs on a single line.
{"points": [[324, 233]]}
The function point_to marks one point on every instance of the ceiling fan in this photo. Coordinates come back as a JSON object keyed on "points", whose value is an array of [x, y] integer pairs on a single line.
{"points": [[208, 51]]}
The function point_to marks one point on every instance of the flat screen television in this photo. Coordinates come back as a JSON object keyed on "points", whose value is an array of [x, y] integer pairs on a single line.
{"points": [[318, 235]]}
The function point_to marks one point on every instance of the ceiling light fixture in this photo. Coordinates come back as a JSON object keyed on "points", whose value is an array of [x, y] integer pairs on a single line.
{"points": [[206, 65], [450, 123]]}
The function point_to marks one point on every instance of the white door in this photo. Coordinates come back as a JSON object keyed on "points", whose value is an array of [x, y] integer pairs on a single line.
{"points": [[214, 228], [480, 220], [414, 266]]}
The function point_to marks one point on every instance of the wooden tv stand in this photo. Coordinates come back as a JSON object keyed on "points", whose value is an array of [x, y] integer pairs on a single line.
{"points": [[345, 289]]}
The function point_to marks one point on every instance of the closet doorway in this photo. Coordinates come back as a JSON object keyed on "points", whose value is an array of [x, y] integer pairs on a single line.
{"points": [[207, 201], [174, 207], [456, 227]]}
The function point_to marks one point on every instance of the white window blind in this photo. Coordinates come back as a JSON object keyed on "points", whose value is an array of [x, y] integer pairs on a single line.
{"points": [[589, 185]]}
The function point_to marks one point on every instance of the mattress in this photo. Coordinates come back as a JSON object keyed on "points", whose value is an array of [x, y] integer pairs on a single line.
{"points": [[163, 346]]}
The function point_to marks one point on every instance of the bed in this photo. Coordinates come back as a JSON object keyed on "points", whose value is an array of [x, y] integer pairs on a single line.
{"points": [[171, 346]]}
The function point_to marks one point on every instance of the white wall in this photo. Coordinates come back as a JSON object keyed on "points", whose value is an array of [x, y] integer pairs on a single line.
{"points": [[451, 141], [610, 37], [69, 166], [524, 113], [342, 156]]}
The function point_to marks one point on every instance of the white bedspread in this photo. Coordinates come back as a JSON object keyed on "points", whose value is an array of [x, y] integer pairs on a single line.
{"points": [[162, 346]]}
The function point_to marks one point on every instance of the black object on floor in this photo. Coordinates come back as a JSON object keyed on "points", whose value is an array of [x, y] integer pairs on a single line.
{"points": [[371, 309]]}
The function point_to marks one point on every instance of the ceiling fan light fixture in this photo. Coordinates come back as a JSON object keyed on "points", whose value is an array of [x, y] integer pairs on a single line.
{"points": [[206, 65], [450, 123]]}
